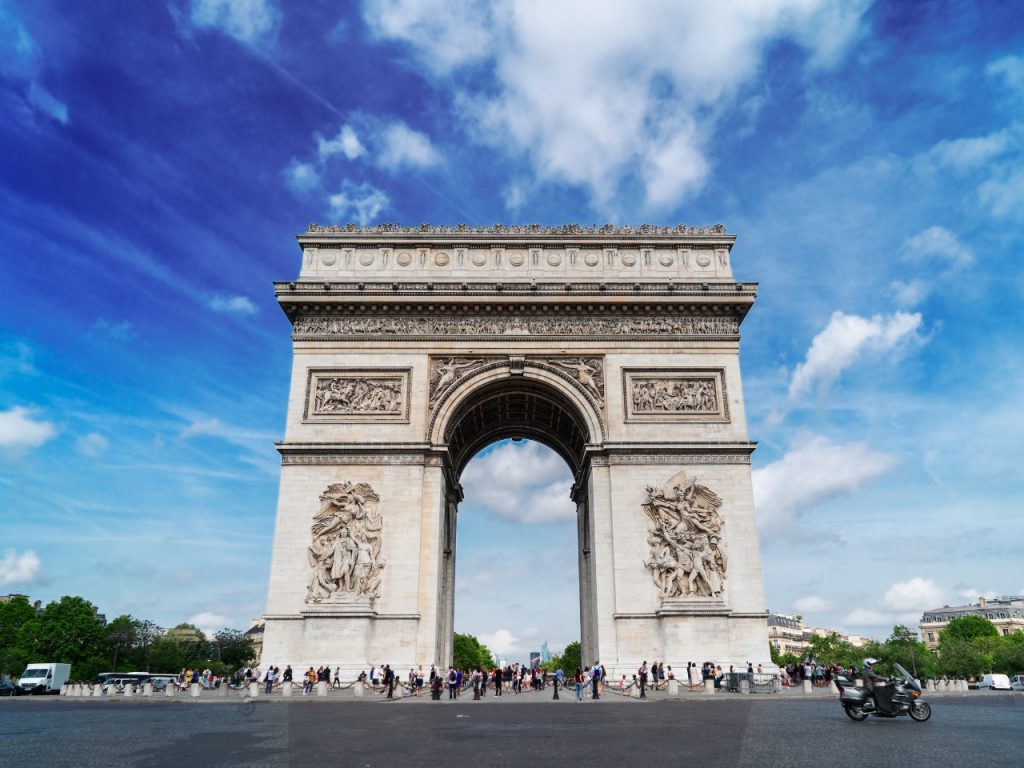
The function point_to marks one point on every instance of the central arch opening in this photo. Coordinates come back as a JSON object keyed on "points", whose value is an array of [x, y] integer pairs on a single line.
{"points": [[516, 569], [516, 459]]}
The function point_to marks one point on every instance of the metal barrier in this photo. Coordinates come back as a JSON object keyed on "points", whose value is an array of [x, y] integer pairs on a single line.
{"points": [[759, 682]]}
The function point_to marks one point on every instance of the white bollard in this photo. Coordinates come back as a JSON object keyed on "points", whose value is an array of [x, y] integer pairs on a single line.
{"points": [[930, 685], [963, 686], [170, 689], [286, 689], [147, 690], [111, 689], [744, 685], [357, 688], [129, 691], [97, 690], [709, 686], [321, 688], [807, 686], [194, 690], [673, 687], [832, 687], [223, 688], [64, 689], [74, 690], [254, 689]]}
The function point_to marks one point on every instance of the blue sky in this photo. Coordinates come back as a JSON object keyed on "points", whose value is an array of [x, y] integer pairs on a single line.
{"points": [[870, 157]]}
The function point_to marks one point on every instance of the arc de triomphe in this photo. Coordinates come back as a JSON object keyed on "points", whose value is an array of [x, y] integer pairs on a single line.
{"points": [[414, 348]]}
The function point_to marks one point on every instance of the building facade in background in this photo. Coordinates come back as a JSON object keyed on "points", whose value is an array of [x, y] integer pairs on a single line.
{"points": [[1007, 613]]}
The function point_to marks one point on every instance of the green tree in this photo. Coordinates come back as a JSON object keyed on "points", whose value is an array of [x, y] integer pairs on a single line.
{"points": [[965, 658], [13, 616], [968, 628], [122, 636], [234, 648], [470, 653], [1008, 656], [66, 631], [781, 659], [904, 647], [832, 649], [571, 658]]}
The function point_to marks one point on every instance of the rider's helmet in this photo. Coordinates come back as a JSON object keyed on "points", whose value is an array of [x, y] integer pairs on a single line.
{"points": [[869, 661]]}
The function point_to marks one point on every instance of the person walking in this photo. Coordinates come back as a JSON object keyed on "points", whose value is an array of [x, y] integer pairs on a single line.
{"points": [[578, 680], [642, 674], [596, 680], [453, 683]]}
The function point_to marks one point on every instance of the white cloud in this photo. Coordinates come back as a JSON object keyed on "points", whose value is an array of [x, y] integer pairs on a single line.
{"points": [[937, 245], [910, 293], [235, 305], [1004, 193], [18, 569], [502, 643], [812, 604], [346, 143], [445, 34], [844, 339], [809, 475], [607, 94], [917, 594], [253, 22], [1010, 69], [19, 429], [970, 153], [362, 202], [524, 482], [209, 623], [868, 618], [92, 445], [302, 177], [402, 147]]}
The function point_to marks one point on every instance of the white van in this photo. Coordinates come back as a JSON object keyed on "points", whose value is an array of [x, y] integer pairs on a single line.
{"points": [[994, 683], [44, 678]]}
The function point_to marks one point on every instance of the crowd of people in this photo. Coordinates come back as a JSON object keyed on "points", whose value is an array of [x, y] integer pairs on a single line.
{"points": [[514, 679]]}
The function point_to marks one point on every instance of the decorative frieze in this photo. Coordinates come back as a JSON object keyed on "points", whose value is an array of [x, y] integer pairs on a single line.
{"points": [[526, 229], [349, 394], [345, 553], [513, 325], [676, 394], [686, 559]]}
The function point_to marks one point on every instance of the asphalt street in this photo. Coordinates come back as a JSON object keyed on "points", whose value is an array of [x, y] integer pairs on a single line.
{"points": [[733, 732]]}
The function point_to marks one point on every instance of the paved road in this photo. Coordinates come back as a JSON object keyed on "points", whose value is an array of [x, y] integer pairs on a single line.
{"points": [[728, 731]]}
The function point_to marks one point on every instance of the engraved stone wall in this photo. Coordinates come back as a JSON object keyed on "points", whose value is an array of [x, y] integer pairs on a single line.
{"points": [[350, 394], [679, 394]]}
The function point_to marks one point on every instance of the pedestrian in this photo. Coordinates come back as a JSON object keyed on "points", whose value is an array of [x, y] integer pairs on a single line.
{"points": [[453, 683], [269, 679], [596, 680], [642, 674], [578, 680]]}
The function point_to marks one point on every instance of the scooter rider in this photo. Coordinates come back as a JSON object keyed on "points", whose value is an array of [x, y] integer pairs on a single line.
{"points": [[877, 686]]}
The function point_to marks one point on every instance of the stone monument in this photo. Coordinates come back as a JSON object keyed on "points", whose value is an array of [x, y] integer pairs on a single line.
{"points": [[415, 348]]}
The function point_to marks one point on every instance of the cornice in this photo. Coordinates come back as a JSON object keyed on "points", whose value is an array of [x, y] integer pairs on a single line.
{"points": [[739, 292], [503, 231]]}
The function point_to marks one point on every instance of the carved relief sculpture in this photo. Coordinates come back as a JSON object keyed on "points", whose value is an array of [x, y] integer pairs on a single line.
{"points": [[674, 396], [512, 325], [349, 394], [685, 539], [445, 371], [588, 371], [338, 395], [344, 555]]}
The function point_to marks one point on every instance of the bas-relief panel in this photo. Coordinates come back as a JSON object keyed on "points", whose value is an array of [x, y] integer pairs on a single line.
{"points": [[344, 554], [675, 394], [357, 394], [686, 557]]}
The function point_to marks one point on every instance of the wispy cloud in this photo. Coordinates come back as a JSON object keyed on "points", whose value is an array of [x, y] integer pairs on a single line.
{"points": [[232, 305], [360, 202], [524, 482], [845, 339], [92, 445], [642, 102], [23, 62], [812, 472], [252, 22]]}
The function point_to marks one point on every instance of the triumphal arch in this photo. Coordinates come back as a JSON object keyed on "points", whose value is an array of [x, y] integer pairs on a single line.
{"points": [[414, 348]]}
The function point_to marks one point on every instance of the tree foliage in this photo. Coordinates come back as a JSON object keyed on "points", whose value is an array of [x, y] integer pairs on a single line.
{"points": [[68, 631], [470, 653], [969, 628]]}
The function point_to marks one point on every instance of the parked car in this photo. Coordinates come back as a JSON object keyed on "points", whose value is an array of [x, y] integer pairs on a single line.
{"points": [[7, 688], [994, 682], [1017, 682]]}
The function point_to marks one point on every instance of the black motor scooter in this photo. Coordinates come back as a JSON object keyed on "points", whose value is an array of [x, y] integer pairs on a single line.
{"points": [[906, 699]]}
